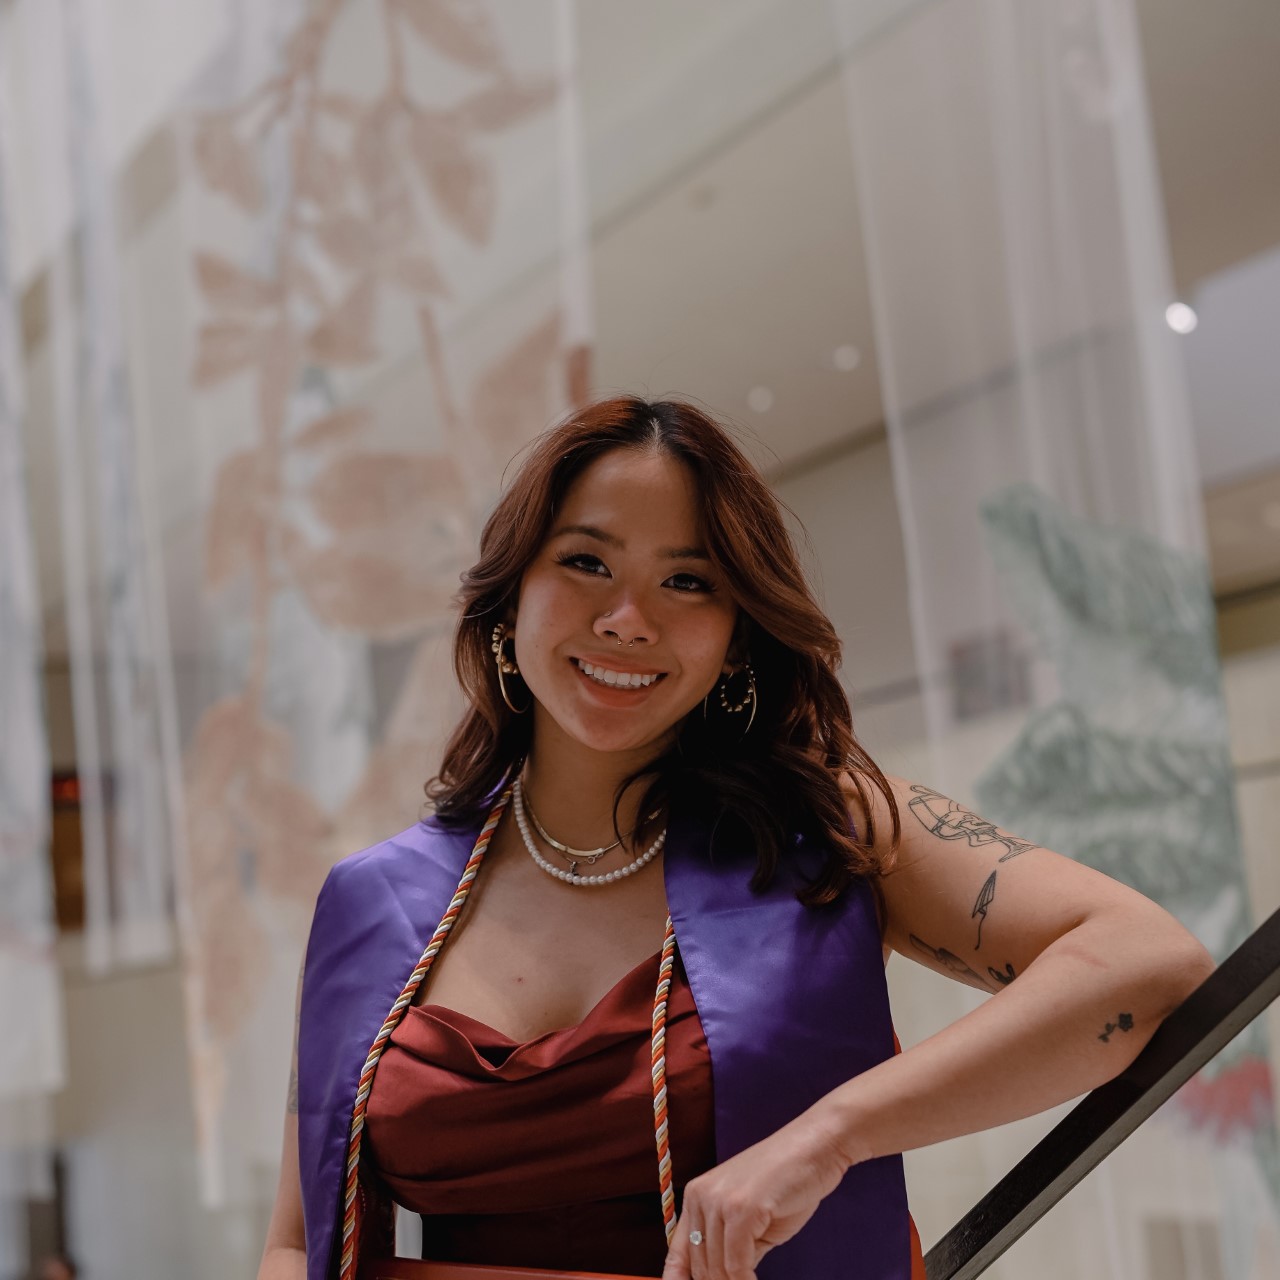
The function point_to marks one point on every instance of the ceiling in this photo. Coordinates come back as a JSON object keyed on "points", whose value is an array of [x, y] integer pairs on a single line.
{"points": [[720, 178]]}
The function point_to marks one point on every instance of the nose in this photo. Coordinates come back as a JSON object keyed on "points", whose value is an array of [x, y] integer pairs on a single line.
{"points": [[625, 626]]}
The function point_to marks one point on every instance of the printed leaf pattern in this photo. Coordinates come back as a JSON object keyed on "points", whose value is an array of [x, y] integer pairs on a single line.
{"points": [[225, 347], [512, 396], [227, 287], [454, 172], [227, 163], [456, 28], [340, 427], [361, 490], [309, 518], [365, 593], [1139, 786], [507, 103], [234, 531], [345, 335]]}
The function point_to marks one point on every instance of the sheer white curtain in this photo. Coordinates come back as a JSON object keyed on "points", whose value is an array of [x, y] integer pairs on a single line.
{"points": [[31, 1049], [283, 400], [1060, 599], [384, 283], [126, 743]]}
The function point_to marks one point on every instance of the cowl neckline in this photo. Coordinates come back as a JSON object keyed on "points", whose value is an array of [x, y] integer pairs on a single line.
{"points": [[476, 1050]]}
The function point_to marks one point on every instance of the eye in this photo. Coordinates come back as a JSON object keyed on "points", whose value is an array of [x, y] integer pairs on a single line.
{"points": [[700, 585], [574, 559]]}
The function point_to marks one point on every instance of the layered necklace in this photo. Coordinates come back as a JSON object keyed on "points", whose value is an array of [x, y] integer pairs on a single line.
{"points": [[576, 856]]}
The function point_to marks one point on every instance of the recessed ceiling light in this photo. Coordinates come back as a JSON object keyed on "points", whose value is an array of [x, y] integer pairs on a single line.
{"points": [[1180, 317], [846, 357], [760, 399]]}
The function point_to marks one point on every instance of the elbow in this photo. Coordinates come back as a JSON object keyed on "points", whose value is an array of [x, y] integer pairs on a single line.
{"points": [[1188, 966]]}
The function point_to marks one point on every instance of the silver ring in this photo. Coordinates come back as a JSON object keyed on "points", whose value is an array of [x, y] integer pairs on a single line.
{"points": [[695, 1237]]}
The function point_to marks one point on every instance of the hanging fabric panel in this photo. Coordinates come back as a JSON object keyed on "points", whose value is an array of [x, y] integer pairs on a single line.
{"points": [[386, 283], [31, 1048], [1043, 464]]}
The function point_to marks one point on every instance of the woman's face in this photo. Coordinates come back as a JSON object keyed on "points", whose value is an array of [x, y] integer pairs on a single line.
{"points": [[623, 562]]}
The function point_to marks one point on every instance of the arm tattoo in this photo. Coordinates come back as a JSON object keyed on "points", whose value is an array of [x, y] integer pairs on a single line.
{"points": [[1123, 1022], [1002, 979], [985, 896], [951, 821], [950, 962]]}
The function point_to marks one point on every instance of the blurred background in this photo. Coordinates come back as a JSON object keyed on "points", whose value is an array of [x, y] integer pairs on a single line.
{"points": [[990, 289]]}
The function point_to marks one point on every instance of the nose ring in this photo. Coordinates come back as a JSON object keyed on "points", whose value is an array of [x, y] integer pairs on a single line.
{"points": [[630, 643]]}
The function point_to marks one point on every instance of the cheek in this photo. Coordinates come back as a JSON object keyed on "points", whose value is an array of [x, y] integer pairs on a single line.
{"points": [[710, 642], [549, 613]]}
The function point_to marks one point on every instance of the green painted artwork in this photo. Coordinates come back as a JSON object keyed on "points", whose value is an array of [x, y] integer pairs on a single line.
{"points": [[1129, 770]]}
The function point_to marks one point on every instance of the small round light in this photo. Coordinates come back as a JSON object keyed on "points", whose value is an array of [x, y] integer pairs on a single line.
{"points": [[1180, 317], [846, 357], [760, 399]]}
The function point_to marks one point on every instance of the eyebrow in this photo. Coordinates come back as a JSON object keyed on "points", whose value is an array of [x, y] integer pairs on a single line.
{"points": [[602, 535]]}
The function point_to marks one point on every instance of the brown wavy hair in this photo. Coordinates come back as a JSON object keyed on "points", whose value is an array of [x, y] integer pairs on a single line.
{"points": [[781, 778]]}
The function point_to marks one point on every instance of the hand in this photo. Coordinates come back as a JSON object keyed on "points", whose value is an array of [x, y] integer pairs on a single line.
{"points": [[752, 1202]]}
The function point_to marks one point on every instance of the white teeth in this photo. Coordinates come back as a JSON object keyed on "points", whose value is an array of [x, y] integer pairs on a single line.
{"points": [[602, 675]]}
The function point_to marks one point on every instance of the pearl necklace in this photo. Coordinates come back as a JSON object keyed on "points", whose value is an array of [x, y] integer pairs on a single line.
{"points": [[571, 876]]}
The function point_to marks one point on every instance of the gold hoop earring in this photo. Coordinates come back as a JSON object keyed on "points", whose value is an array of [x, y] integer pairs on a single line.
{"points": [[505, 667], [749, 699]]}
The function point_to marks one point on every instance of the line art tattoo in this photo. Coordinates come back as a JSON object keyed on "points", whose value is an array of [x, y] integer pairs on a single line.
{"points": [[980, 908], [949, 961], [1123, 1022], [1003, 979], [948, 820]]}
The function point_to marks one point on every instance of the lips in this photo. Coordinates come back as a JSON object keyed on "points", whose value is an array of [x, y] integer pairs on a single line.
{"points": [[616, 695], [609, 679]]}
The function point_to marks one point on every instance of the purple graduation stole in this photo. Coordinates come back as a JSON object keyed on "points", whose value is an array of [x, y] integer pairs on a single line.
{"points": [[792, 1000]]}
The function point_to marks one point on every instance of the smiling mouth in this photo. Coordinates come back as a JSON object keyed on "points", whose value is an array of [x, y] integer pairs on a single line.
{"points": [[622, 682]]}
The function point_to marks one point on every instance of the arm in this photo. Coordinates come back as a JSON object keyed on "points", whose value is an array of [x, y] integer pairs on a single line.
{"points": [[285, 1255], [1084, 967], [1083, 970]]}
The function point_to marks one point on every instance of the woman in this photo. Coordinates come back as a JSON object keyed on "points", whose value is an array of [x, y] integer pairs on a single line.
{"points": [[658, 1039]]}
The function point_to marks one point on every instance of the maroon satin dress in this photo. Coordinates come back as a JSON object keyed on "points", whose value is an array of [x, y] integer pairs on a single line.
{"points": [[542, 1153]]}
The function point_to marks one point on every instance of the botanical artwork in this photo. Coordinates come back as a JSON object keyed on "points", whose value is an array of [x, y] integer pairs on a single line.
{"points": [[327, 553], [1130, 770]]}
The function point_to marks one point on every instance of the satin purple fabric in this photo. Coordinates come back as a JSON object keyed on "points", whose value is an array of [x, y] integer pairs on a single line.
{"points": [[792, 999]]}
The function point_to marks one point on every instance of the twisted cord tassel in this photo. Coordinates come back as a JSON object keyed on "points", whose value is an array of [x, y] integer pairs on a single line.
{"points": [[350, 1216], [658, 1058], [658, 1061]]}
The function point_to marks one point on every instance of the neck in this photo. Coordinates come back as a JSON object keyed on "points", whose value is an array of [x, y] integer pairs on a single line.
{"points": [[571, 788]]}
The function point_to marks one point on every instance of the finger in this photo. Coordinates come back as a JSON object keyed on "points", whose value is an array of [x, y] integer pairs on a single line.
{"points": [[699, 1267], [676, 1267], [739, 1252], [712, 1249]]}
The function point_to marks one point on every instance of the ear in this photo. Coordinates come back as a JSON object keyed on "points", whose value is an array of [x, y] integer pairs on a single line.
{"points": [[736, 654]]}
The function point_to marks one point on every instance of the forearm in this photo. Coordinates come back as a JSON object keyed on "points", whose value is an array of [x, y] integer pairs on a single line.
{"points": [[283, 1264], [1074, 1019]]}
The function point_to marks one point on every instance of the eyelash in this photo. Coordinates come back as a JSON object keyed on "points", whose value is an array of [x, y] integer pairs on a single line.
{"points": [[568, 558]]}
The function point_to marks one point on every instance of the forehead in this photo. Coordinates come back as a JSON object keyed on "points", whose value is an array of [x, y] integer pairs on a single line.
{"points": [[639, 490]]}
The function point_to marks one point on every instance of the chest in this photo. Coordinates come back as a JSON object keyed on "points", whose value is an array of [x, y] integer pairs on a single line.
{"points": [[531, 954]]}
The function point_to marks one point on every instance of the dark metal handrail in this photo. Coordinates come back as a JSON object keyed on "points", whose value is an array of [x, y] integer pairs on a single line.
{"points": [[1246, 982]]}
